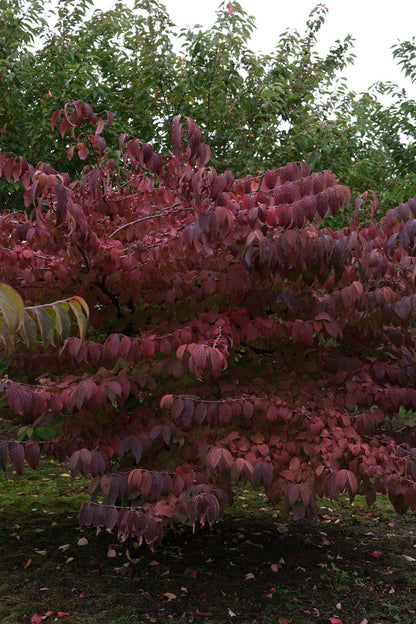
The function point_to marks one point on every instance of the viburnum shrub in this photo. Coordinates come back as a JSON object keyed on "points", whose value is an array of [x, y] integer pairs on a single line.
{"points": [[232, 337]]}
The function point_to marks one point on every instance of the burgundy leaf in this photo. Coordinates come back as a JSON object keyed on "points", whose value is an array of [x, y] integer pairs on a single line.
{"points": [[111, 518], [17, 456], [32, 454], [61, 202]]}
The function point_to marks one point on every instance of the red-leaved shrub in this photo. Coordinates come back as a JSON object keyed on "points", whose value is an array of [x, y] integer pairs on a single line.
{"points": [[232, 336]]}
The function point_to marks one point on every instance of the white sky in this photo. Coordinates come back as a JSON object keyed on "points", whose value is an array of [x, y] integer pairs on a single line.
{"points": [[375, 25]]}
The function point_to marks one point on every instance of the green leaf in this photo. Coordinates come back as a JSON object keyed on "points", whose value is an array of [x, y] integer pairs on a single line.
{"points": [[46, 325], [76, 308], [12, 311], [29, 328], [25, 433], [62, 320], [45, 433]]}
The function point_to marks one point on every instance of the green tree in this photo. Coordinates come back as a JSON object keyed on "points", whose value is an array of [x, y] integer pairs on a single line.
{"points": [[256, 110]]}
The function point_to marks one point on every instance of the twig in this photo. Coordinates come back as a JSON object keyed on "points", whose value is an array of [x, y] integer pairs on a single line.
{"points": [[154, 215]]}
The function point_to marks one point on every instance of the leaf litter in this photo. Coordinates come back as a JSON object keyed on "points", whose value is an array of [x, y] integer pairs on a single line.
{"points": [[289, 575]]}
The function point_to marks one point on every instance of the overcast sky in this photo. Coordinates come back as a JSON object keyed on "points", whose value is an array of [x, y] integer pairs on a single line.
{"points": [[375, 25]]}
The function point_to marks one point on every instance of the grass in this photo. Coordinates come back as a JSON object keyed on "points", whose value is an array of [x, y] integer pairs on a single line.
{"points": [[355, 564]]}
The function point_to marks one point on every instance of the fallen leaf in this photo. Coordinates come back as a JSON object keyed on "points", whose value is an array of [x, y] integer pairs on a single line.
{"points": [[82, 541], [364, 621], [335, 620], [376, 554], [170, 596], [339, 606], [62, 614], [27, 564], [231, 613], [249, 576], [111, 552], [276, 567], [409, 559], [36, 618], [64, 547]]}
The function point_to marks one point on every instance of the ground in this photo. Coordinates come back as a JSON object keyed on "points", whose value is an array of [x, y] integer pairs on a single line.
{"points": [[355, 566]]}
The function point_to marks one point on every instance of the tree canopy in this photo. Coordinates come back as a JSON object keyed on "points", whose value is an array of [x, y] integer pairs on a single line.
{"points": [[255, 110]]}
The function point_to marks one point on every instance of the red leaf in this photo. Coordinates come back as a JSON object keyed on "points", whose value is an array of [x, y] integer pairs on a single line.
{"points": [[341, 480], [187, 412], [112, 347], [134, 481], [244, 468], [177, 137], [178, 484], [146, 483], [131, 443], [224, 413], [77, 397], [291, 495], [19, 398], [376, 554], [333, 490], [157, 486], [61, 202], [74, 463], [176, 410], [403, 308], [111, 517], [56, 116], [219, 459], [148, 347], [32, 454], [200, 413], [82, 151], [17, 456], [164, 347], [105, 485]]}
